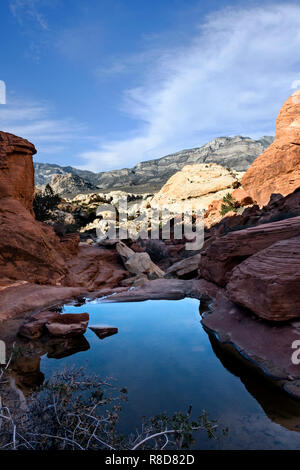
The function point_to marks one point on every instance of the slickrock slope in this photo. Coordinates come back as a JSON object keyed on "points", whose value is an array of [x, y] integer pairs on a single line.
{"points": [[268, 283], [277, 170], [198, 183]]}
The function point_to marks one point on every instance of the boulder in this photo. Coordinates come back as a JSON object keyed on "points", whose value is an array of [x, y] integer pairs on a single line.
{"points": [[94, 267], [138, 263], [103, 331], [134, 281], [185, 267], [68, 324], [32, 330], [226, 252], [277, 170], [35, 328], [268, 283]]}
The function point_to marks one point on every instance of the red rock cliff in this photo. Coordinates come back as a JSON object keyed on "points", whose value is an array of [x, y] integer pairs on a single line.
{"points": [[277, 170], [29, 250]]}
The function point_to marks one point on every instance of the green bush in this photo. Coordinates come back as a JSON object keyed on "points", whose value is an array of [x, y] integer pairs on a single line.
{"points": [[44, 202], [228, 204]]}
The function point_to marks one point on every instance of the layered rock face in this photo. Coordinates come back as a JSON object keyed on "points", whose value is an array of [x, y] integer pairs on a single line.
{"points": [[277, 170], [200, 184], [259, 265], [224, 253], [268, 283]]}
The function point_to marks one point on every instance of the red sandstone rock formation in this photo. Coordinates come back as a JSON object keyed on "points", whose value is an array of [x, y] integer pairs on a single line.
{"points": [[268, 283], [16, 169], [224, 253], [277, 170], [279, 208], [30, 250]]}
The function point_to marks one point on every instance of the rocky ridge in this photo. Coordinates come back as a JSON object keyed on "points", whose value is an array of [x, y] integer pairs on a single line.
{"points": [[236, 153]]}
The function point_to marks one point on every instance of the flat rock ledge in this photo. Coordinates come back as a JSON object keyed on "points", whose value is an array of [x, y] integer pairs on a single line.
{"points": [[265, 346], [167, 289]]}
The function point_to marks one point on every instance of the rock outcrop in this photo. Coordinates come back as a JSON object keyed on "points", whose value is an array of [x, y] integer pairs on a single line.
{"points": [[224, 253], [277, 170], [197, 184], [69, 185], [68, 324], [268, 283], [30, 251], [16, 169], [56, 324], [236, 153], [94, 268]]}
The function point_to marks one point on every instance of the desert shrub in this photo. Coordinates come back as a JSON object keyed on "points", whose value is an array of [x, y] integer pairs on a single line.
{"points": [[44, 202], [75, 411], [228, 204]]}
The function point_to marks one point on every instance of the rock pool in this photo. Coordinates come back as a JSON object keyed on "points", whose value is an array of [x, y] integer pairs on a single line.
{"points": [[167, 361]]}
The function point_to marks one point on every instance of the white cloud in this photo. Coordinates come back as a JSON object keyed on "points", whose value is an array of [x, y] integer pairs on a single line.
{"points": [[231, 79], [35, 122]]}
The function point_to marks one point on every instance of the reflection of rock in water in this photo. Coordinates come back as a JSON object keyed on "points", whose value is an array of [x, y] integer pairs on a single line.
{"points": [[59, 348], [26, 373], [278, 405], [25, 368]]}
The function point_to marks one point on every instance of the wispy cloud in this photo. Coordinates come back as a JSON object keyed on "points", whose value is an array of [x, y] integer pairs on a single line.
{"points": [[231, 79], [24, 10], [39, 123]]}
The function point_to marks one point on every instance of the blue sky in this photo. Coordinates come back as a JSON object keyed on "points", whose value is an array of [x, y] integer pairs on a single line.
{"points": [[103, 84]]}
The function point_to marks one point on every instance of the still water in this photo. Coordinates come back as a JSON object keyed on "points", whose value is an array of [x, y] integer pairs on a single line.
{"points": [[165, 359]]}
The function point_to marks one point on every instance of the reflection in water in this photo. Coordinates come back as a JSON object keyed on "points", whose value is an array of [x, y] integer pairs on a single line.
{"points": [[167, 362], [26, 364], [278, 405]]}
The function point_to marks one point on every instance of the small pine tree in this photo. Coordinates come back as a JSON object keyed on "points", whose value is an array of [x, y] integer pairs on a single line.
{"points": [[228, 204]]}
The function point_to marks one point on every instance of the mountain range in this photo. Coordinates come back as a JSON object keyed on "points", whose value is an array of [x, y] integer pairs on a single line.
{"points": [[236, 153]]}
